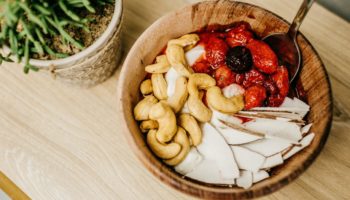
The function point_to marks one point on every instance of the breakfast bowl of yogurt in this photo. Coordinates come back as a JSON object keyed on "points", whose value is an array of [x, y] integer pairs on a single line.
{"points": [[209, 109]]}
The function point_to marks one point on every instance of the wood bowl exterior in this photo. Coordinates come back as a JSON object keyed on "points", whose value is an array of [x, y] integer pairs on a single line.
{"points": [[313, 76]]}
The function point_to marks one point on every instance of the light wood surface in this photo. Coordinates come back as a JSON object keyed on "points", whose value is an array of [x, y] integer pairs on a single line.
{"points": [[58, 142]]}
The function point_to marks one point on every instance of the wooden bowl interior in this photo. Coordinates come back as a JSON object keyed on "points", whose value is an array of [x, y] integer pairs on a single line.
{"points": [[195, 17]]}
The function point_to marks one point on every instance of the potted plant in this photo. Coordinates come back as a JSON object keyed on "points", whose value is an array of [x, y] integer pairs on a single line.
{"points": [[78, 41]]}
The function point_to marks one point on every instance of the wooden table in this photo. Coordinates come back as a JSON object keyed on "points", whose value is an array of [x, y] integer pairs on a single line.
{"points": [[58, 142]]}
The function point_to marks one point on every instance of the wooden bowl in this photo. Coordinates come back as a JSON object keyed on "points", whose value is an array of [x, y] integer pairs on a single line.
{"points": [[313, 76]]}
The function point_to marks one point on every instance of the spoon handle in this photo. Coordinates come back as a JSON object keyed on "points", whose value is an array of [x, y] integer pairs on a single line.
{"points": [[303, 10]]}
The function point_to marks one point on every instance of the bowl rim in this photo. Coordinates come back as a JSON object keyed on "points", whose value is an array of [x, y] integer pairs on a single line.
{"points": [[194, 187]]}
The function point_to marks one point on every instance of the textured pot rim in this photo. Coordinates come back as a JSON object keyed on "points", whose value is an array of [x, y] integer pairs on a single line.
{"points": [[89, 51], [195, 188]]}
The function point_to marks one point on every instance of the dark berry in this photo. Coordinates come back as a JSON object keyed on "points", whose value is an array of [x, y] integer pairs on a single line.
{"points": [[239, 59]]}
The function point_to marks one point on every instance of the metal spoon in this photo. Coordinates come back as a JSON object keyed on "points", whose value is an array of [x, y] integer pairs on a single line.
{"points": [[285, 44]]}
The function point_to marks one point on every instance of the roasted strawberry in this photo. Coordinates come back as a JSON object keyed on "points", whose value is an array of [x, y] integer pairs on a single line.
{"points": [[275, 100], [238, 37], [215, 52], [205, 36], [263, 56], [201, 66], [254, 96], [240, 78], [253, 77], [224, 76], [281, 80], [271, 87]]}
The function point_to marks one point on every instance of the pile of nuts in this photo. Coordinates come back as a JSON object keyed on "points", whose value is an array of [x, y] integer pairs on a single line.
{"points": [[171, 133]]}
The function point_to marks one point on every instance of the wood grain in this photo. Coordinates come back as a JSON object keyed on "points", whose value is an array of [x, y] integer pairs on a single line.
{"points": [[58, 142]]}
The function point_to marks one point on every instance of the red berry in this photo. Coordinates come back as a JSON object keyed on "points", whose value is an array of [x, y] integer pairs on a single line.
{"points": [[205, 36], [253, 77], [271, 87], [281, 80], [215, 52], [240, 78], [254, 96], [275, 100], [238, 37], [201, 67], [224, 76], [263, 56]]}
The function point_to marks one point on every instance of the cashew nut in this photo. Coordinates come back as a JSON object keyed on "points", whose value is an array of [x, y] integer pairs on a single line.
{"points": [[190, 124], [161, 66], [198, 110], [219, 102], [142, 109], [182, 139], [147, 125], [146, 87], [166, 119], [186, 40], [162, 150], [199, 81], [176, 58], [178, 99], [159, 86]]}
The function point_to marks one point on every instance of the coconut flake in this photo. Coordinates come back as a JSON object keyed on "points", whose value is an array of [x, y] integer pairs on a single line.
{"points": [[208, 171], [306, 141], [245, 180], [247, 160], [260, 175], [281, 129], [214, 146], [194, 54], [237, 137], [217, 116], [288, 102], [272, 161], [232, 90], [268, 146], [306, 129], [171, 77], [191, 161]]}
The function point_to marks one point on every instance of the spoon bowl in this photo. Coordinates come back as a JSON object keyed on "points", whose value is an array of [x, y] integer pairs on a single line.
{"points": [[285, 44]]}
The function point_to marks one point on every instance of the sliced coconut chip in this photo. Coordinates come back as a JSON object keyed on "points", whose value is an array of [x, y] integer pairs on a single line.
{"points": [[237, 137], [215, 149], [284, 130], [232, 90], [260, 175], [171, 77], [268, 146], [191, 161], [272, 161], [288, 102], [301, 104], [254, 115], [217, 116], [194, 54], [286, 112], [306, 141], [306, 129], [208, 171], [247, 159], [245, 180]]}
